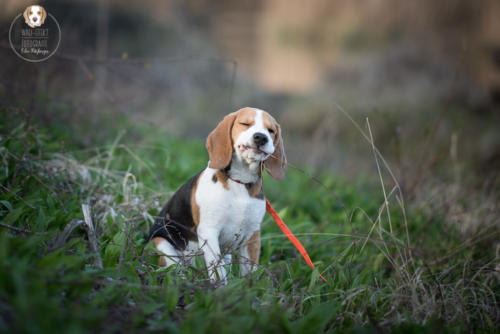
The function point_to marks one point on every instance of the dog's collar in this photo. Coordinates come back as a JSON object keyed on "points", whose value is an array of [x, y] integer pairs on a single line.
{"points": [[240, 182], [247, 184]]}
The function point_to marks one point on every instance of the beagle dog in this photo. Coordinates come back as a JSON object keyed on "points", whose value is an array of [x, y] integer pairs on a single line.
{"points": [[34, 16], [220, 209]]}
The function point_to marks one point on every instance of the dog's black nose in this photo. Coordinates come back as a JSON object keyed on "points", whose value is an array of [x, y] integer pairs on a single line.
{"points": [[260, 139], [34, 19]]}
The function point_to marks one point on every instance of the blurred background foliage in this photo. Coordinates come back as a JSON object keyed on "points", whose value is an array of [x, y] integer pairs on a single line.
{"points": [[136, 86], [419, 71]]}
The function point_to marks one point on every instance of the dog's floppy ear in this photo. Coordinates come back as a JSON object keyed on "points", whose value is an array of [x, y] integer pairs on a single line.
{"points": [[276, 163], [25, 14], [44, 15], [219, 143]]}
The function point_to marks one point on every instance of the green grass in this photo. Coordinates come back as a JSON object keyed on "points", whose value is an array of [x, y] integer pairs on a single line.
{"points": [[440, 281]]}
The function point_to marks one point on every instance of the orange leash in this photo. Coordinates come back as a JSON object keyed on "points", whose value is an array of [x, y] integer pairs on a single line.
{"points": [[290, 235]]}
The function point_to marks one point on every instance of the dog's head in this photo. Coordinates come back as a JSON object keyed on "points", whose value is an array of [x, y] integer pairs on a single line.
{"points": [[251, 134], [34, 16]]}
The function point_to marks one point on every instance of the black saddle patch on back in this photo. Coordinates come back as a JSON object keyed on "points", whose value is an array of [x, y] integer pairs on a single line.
{"points": [[175, 221]]}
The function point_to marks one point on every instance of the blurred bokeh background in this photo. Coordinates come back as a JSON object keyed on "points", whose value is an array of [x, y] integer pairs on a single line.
{"points": [[117, 120], [426, 74]]}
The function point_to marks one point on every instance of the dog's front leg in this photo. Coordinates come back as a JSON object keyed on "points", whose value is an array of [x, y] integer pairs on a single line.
{"points": [[249, 254], [208, 239]]}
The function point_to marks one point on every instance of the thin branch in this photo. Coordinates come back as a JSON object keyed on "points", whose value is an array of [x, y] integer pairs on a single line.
{"points": [[16, 196], [15, 229]]}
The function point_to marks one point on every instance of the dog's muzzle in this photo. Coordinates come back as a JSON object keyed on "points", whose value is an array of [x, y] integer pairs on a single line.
{"points": [[260, 139]]}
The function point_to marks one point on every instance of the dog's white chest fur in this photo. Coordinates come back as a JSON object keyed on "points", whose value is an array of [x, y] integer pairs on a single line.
{"points": [[232, 213]]}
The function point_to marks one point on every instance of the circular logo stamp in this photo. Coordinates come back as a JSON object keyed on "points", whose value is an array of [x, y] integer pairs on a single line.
{"points": [[34, 35]]}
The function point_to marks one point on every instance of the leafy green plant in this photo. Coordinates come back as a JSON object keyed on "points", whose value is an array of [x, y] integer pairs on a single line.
{"points": [[387, 265]]}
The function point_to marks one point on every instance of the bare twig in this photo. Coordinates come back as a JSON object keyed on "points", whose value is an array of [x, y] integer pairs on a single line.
{"points": [[15, 229], [8, 191]]}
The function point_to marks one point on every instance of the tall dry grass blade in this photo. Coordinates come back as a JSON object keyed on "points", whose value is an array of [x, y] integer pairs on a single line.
{"points": [[126, 191], [376, 220], [64, 235], [112, 150], [379, 174], [139, 160], [385, 163], [89, 226]]}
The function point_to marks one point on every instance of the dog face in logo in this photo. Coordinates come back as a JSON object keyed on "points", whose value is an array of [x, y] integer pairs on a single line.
{"points": [[34, 16]]}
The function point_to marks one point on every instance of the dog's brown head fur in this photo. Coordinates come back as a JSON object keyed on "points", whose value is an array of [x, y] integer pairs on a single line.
{"points": [[221, 140]]}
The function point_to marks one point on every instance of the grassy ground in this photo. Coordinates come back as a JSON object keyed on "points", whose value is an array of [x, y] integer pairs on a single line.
{"points": [[387, 267]]}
